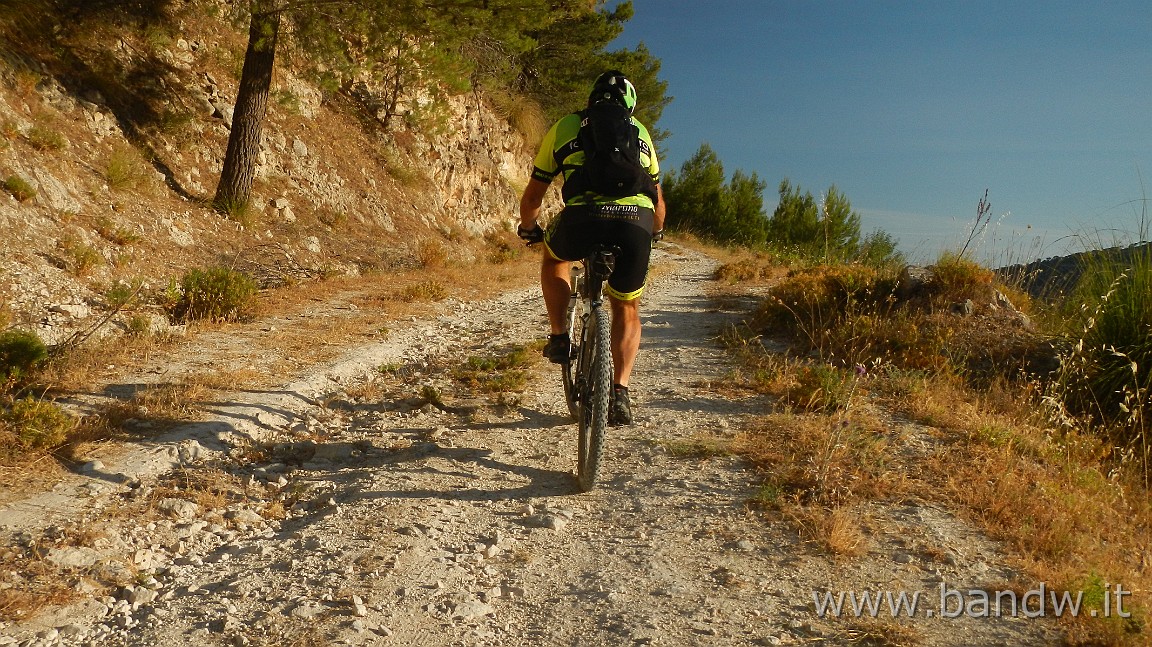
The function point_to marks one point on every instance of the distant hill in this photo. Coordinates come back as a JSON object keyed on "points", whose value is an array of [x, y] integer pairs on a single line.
{"points": [[1052, 277]]}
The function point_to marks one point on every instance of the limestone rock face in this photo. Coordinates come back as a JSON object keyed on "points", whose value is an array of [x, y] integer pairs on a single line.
{"points": [[92, 200]]}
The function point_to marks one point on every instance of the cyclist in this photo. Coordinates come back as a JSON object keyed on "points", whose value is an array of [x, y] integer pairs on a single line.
{"points": [[631, 223]]}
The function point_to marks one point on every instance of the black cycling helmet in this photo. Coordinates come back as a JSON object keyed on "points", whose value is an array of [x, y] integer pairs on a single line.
{"points": [[615, 87]]}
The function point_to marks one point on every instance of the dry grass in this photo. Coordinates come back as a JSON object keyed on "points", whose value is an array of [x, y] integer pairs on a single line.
{"points": [[750, 269], [37, 583], [1065, 509], [699, 446], [873, 632], [836, 529]]}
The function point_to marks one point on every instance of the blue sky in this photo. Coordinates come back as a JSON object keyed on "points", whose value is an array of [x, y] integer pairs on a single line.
{"points": [[914, 108]]}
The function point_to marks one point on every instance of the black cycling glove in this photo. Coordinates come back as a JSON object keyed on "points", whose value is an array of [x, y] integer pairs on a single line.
{"points": [[657, 236], [530, 236]]}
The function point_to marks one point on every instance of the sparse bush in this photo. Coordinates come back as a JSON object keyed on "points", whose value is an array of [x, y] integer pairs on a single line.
{"points": [[9, 129], [811, 301], [956, 278], [19, 188], [79, 257], [424, 291], [25, 81], [400, 168], [430, 253], [44, 138], [21, 351], [499, 372], [124, 169], [501, 248], [756, 268], [139, 326], [122, 294], [333, 219], [822, 388], [216, 294], [522, 112], [114, 233]]}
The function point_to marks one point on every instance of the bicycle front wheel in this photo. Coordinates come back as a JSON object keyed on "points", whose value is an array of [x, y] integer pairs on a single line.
{"points": [[595, 398]]}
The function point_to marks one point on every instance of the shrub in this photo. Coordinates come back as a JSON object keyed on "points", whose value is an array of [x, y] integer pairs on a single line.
{"points": [[79, 257], [114, 233], [124, 169], [424, 291], [19, 188], [32, 424], [21, 351], [955, 278], [44, 138], [816, 298], [215, 294]]}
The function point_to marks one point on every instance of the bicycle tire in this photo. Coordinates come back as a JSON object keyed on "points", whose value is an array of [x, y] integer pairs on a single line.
{"points": [[595, 399], [569, 370]]}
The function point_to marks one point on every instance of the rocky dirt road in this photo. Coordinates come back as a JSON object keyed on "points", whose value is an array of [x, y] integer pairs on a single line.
{"points": [[363, 506]]}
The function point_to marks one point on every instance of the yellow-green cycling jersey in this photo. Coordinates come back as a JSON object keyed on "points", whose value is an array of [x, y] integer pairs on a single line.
{"points": [[560, 150]]}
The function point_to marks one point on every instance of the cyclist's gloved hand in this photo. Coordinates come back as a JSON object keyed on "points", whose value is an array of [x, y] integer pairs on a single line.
{"points": [[657, 236], [530, 236]]}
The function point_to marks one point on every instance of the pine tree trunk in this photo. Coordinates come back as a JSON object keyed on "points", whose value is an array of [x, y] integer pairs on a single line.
{"points": [[235, 187]]}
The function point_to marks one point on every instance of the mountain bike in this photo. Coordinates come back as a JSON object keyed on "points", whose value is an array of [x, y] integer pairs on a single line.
{"points": [[588, 372]]}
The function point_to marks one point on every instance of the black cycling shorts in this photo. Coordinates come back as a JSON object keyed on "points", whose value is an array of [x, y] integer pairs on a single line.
{"points": [[571, 235]]}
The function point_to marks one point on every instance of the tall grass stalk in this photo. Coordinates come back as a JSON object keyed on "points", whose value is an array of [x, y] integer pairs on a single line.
{"points": [[1106, 376]]}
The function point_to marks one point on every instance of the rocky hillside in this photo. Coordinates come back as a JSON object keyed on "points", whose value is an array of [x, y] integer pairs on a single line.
{"points": [[107, 173]]}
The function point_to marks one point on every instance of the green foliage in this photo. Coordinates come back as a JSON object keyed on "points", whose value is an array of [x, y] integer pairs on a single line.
{"points": [[828, 231], [570, 51], [878, 249], [1108, 374], [19, 188], [31, 424], [497, 372], [417, 48], [702, 202], [216, 294], [21, 351]]}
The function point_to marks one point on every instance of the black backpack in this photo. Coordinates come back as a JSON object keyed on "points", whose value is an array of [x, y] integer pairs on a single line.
{"points": [[612, 146]]}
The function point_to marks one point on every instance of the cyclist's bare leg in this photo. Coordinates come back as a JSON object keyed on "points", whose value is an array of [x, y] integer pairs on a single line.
{"points": [[554, 284], [625, 337]]}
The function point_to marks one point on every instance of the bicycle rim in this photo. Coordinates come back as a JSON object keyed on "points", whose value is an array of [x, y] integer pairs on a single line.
{"points": [[570, 369], [596, 398]]}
